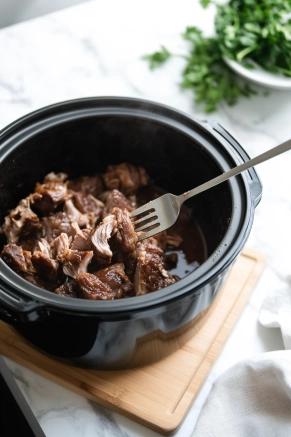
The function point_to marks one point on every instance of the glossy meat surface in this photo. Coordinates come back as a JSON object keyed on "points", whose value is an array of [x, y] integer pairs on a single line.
{"points": [[76, 238]]}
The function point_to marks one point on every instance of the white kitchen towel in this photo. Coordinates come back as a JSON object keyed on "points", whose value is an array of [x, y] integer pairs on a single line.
{"points": [[276, 313], [251, 399]]}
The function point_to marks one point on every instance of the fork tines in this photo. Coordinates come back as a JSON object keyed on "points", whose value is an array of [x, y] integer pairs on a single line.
{"points": [[143, 220]]}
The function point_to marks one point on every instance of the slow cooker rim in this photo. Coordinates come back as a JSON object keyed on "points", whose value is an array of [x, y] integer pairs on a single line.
{"points": [[141, 302]]}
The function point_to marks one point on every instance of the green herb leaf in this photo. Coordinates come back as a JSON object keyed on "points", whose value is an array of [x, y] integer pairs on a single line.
{"points": [[258, 31], [205, 3], [246, 31], [206, 74], [158, 58]]}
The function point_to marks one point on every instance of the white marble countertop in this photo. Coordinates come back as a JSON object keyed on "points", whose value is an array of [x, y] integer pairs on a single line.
{"points": [[95, 49]]}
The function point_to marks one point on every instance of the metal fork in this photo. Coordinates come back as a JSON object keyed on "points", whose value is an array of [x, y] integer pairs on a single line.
{"points": [[160, 214]]}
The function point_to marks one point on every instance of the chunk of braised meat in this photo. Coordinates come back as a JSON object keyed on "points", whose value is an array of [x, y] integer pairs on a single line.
{"points": [[117, 224], [70, 288], [56, 224], [126, 234], [87, 184], [60, 246], [44, 247], [21, 223], [13, 256], [19, 261], [94, 289], [76, 262], [75, 215], [48, 196], [115, 277], [170, 260], [73, 243], [55, 177], [150, 274], [89, 205], [117, 199], [100, 239], [43, 263], [46, 268], [126, 178], [80, 239], [34, 279], [27, 256]]}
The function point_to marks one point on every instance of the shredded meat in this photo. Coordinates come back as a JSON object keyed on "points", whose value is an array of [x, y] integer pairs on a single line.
{"points": [[126, 178], [75, 215], [76, 262], [90, 206], [44, 247], [56, 224], [126, 234], [29, 266], [81, 240], [20, 261], [46, 267], [115, 199], [76, 238], [43, 262], [21, 223], [100, 237], [87, 184], [49, 195], [55, 177], [60, 246], [150, 273]]}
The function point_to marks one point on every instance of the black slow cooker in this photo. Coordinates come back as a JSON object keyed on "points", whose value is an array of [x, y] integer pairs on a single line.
{"points": [[82, 137]]}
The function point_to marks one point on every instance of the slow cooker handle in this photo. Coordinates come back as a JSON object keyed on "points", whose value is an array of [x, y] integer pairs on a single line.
{"points": [[253, 178], [14, 309]]}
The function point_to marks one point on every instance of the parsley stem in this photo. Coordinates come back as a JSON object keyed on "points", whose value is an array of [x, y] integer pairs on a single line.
{"points": [[240, 55]]}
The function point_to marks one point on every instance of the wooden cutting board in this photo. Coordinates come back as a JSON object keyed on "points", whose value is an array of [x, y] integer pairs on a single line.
{"points": [[157, 396]]}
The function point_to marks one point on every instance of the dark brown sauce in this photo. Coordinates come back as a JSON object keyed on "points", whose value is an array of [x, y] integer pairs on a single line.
{"points": [[191, 253]]}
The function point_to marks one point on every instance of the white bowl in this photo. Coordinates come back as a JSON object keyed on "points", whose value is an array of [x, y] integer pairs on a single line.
{"points": [[260, 76]]}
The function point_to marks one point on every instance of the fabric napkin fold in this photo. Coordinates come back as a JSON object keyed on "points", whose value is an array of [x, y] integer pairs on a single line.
{"points": [[253, 397]]}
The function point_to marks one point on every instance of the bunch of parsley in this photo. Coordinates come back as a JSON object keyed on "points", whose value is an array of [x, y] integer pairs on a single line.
{"points": [[256, 30], [260, 30]]}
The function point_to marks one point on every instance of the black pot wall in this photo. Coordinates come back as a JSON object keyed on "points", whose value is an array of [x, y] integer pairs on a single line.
{"points": [[82, 138], [86, 146], [125, 343]]}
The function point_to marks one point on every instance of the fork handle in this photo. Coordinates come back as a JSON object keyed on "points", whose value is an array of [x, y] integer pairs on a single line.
{"points": [[236, 170]]}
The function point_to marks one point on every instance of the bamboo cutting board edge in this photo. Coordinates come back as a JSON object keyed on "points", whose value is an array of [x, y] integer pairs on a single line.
{"points": [[116, 389]]}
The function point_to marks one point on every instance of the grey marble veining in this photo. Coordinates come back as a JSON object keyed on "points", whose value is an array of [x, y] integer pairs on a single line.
{"points": [[95, 49]]}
